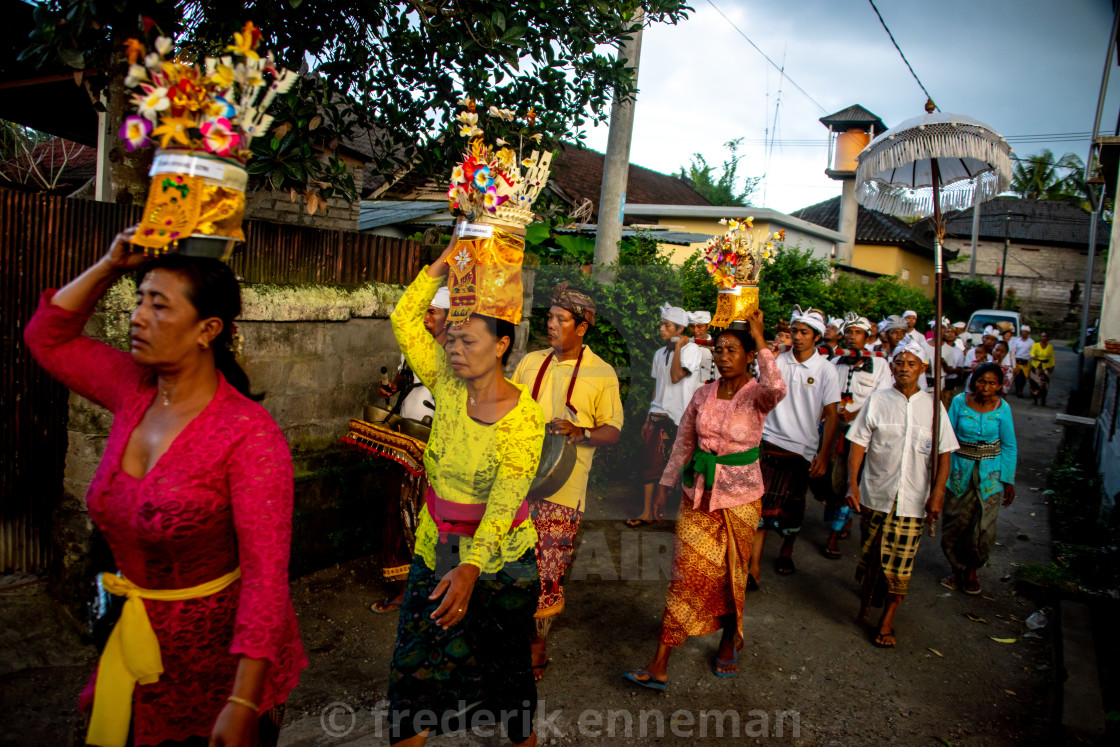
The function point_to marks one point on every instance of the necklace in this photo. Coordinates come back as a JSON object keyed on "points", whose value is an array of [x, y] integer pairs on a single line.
{"points": [[166, 398], [473, 402]]}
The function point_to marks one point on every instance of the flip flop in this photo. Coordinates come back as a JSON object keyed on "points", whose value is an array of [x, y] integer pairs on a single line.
{"points": [[831, 554], [652, 683], [880, 640], [972, 590], [721, 663], [949, 582], [638, 522], [541, 667], [384, 607], [785, 566]]}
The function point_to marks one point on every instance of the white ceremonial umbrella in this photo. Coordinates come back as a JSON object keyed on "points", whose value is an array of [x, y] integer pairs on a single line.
{"points": [[923, 165]]}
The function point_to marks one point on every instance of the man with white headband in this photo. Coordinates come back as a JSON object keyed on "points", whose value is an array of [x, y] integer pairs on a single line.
{"points": [[833, 332], [790, 438], [961, 343], [699, 321], [858, 377], [982, 353], [405, 494], [676, 373], [1021, 350], [911, 319], [893, 433]]}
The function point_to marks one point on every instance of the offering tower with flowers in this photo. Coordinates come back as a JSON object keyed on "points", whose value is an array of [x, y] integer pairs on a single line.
{"points": [[493, 187], [735, 261], [203, 119]]}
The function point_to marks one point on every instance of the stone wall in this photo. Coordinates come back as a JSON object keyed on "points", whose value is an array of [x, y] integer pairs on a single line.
{"points": [[278, 207], [1043, 278], [316, 353]]}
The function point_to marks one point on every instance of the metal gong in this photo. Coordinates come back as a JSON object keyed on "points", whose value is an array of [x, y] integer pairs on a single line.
{"points": [[558, 459]]}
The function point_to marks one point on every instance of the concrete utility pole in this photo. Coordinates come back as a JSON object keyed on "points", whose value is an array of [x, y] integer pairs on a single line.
{"points": [[616, 164]]}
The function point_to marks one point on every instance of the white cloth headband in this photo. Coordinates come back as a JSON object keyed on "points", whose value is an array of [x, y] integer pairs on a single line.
{"points": [[908, 312], [699, 317], [442, 299], [852, 320], [894, 321], [674, 314], [910, 345], [810, 318]]}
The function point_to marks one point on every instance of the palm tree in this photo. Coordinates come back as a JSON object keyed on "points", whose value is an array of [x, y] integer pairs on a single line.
{"points": [[1040, 177]]}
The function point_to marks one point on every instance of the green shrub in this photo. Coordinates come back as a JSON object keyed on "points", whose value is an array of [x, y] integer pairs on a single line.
{"points": [[962, 296]]}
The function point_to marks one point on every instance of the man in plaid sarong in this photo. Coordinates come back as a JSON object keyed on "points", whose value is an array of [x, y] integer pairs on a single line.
{"points": [[893, 431]]}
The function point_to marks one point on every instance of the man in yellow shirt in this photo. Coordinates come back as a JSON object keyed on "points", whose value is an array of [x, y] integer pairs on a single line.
{"points": [[578, 392]]}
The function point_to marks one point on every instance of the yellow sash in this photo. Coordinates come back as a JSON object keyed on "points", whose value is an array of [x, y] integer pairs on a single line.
{"points": [[132, 655]]}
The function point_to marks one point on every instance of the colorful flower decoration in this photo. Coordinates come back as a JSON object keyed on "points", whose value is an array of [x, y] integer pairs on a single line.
{"points": [[218, 106], [737, 257], [135, 131]]}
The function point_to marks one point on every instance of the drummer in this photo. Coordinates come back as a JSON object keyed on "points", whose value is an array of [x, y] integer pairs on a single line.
{"points": [[578, 392], [405, 496]]}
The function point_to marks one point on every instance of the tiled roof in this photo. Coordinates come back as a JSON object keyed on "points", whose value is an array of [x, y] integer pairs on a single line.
{"points": [[578, 173], [854, 116], [1058, 222], [872, 227]]}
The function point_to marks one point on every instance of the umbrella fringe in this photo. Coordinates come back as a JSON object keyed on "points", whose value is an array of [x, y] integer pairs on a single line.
{"points": [[905, 203]]}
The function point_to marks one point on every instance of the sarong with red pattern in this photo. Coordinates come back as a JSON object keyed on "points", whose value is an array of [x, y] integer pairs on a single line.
{"points": [[557, 527]]}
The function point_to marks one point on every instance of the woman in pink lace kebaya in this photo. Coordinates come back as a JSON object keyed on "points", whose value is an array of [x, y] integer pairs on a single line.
{"points": [[717, 452], [194, 495]]}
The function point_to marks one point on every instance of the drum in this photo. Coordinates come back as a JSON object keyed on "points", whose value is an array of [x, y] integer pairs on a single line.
{"points": [[558, 459]]}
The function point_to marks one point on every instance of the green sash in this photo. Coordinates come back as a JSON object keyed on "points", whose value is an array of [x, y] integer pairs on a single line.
{"points": [[705, 462]]}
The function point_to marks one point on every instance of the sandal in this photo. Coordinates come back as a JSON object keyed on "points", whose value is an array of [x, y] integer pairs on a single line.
{"points": [[885, 640], [385, 606], [638, 522], [785, 566], [832, 554], [949, 582], [972, 588], [721, 663], [650, 682], [538, 677]]}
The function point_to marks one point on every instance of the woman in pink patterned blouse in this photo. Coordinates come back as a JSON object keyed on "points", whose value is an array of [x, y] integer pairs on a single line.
{"points": [[717, 452], [194, 495]]}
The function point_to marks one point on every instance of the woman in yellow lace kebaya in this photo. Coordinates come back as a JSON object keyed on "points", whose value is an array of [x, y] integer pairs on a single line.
{"points": [[462, 657]]}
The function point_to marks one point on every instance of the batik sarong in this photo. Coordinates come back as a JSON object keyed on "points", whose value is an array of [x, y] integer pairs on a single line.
{"points": [[888, 553], [968, 525], [1040, 381], [478, 671], [402, 515], [711, 559], [786, 478], [557, 527], [657, 447]]}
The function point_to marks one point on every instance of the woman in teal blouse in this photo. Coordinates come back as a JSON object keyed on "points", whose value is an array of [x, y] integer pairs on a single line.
{"points": [[981, 477]]}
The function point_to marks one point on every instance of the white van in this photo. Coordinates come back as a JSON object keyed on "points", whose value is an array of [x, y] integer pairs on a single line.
{"points": [[982, 318]]}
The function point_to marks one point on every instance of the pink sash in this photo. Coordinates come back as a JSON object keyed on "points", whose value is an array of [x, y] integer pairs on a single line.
{"points": [[463, 518]]}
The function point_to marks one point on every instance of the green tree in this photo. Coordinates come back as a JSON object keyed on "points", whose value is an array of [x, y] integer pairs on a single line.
{"points": [[1041, 177], [396, 67], [725, 188], [965, 295], [878, 299]]}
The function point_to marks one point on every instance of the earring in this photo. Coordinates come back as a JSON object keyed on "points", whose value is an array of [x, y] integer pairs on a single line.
{"points": [[203, 345]]}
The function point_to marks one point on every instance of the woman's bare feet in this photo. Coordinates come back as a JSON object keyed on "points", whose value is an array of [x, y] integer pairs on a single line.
{"points": [[540, 658]]}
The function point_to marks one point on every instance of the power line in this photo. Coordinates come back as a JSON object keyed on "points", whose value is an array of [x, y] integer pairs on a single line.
{"points": [[900, 54], [774, 64]]}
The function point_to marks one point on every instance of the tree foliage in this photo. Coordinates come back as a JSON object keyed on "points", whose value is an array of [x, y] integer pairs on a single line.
{"points": [[725, 188], [1041, 177], [397, 67]]}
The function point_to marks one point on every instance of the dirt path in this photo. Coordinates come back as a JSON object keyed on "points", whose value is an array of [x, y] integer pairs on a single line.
{"points": [[805, 667], [948, 682]]}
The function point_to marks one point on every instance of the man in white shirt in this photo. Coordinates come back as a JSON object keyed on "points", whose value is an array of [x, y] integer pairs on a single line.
{"points": [[981, 353], [405, 494], [699, 321], [790, 437], [894, 432], [858, 378], [952, 364], [959, 328], [676, 373], [1021, 349], [911, 319]]}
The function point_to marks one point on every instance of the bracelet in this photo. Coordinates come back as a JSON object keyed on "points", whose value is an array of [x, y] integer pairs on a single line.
{"points": [[244, 702]]}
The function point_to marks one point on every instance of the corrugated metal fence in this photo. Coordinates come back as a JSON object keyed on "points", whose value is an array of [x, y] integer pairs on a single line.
{"points": [[45, 242]]}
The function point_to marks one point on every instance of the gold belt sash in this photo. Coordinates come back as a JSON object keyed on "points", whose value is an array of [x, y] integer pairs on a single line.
{"points": [[132, 655]]}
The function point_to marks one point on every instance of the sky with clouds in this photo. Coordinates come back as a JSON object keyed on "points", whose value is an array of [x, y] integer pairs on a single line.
{"points": [[1025, 67]]}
